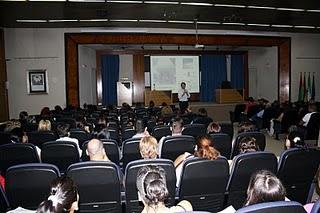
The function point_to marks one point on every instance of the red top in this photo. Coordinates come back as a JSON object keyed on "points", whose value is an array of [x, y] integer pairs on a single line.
{"points": [[2, 181]]}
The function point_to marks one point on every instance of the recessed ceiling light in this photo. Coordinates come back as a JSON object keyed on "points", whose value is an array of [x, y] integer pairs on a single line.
{"points": [[233, 23], [125, 2], [281, 25], [230, 5], [259, 25], [31, 20], [260, 7], [93, 20], [47, 0], [124, 20], [152, 20], [161, 2], [313, 11], [13, 0], [208, 22], [63, 20], [305, 27], [290, 9], [86, 0], [181, 22], [197, 3]]}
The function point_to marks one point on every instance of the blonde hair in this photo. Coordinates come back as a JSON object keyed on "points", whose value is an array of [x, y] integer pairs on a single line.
{"points": [[44, 125], [205, 149], [148, 147]]}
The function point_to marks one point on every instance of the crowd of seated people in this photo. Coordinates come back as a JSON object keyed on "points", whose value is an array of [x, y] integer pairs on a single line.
{"points": [[99, 122]]}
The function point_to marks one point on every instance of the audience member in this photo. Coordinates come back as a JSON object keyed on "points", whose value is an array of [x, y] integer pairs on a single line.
{"points": [[96, 151], [294, 139], [312, 108], [141, 130], [166, 110], [247, 144], [202, 117], [213, 127], [152, 190], [148, 147], [246, 127], [176, 130], [203, 149], [44, 125], [63, 133], [45, 113]]}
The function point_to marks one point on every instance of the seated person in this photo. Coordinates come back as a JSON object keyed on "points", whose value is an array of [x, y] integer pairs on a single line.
{"points": [[213, 127], [263, 187], [294, 140], [148, 147], [141, 130], [202, 117], [203, 149], [312, 108], [44, 125], [247, 144], [96, 151], [63, 132], [152, 189], [246, 127], [166, 110], [176, 130]]}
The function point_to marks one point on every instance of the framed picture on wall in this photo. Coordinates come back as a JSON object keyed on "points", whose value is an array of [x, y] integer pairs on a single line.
{"points": [[37, 82]]}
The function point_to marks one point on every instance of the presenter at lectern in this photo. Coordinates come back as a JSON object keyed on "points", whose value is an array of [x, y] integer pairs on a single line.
{"points": [[183, 96]]}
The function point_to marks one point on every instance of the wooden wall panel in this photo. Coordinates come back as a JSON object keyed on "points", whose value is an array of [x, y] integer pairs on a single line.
{"points": [[4, 109], [284, 71], [138, 78]]}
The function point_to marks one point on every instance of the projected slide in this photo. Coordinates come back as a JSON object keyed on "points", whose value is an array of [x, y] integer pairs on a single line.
{"points": [[167, 72]]}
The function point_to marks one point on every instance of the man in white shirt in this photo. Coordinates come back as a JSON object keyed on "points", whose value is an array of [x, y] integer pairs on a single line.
{"points": [[183, 96], [63, 132], [312, 109]]}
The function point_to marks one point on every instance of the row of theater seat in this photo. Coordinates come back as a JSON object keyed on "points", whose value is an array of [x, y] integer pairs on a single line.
{"points": [[207, 184]]}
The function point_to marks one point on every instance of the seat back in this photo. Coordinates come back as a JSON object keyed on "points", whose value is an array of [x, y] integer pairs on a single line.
{"points": [[316, 207], [5, 138], [173, 146], [132, 202], [27, 185], [81, 135], [114, 134], [128, 133], [203, 183], [297, 168], [227, 128], [161, 131], [313, 127], [60, 153], [111, 148], [243, 167], [260, 141], [223, 143], [39, 138], [4, 203], [17, 153], [130, 151], [194, 130], [274, 207], [98, 184]]}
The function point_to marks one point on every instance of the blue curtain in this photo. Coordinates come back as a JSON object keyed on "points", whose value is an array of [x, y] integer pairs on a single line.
{"points": [[237, 72], [110, 76], [213, 72]]}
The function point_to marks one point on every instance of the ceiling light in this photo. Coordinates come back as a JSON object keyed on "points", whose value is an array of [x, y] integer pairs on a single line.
{"points": [[313, 11], [181, 22], [197, 3], [259, 25], [233, 23], [64, 20], [305, 27], [260, 7], [14, 0], [93, 20], [230, 5], [161, 2], [47, 0], [126, 2], [31, 20], [281, 25], [124, 20], [152, 20], [290, 9], [208, 22], [86, 0]]}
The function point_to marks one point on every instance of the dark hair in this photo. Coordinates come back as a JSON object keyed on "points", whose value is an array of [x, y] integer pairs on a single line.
{"points": [[205, 148], [63, 130], [313, 107], [176, 124], [139, 126], [23, 115], [151, 184], [183, 83], [246, 127], [247, 144], [63, 193], [264, 187], [296, 139], [202, 112]]}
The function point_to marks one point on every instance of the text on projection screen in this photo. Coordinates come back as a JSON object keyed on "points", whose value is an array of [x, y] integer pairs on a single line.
{"points": [[167, 72]]}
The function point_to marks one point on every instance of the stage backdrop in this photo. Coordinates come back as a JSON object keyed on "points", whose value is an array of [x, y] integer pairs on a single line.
{"points": [[110, 76]]}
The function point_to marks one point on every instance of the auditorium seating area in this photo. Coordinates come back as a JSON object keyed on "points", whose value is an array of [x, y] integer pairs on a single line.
{"points": [[210, 185]]}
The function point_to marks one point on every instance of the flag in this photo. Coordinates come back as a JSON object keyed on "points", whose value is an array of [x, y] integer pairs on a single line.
{"points": [[300, 97], [313, 89], [305, 98], [309, 88]]}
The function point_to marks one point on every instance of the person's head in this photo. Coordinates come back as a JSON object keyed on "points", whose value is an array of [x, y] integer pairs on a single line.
{"points": [[95, 150], [44, 125], [183, 85], [58, 109], [213, 127], [148, 147], [246, 127], [63, 130], [45, 112], [202, 112], [264, 187], [176, 125], [312, 107], [103, 134], [63, 197], [23, 115], [204, 148], [151, 104], [247, 144], [293, 140], [152, 186], [139, 126], [250, 99]]}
